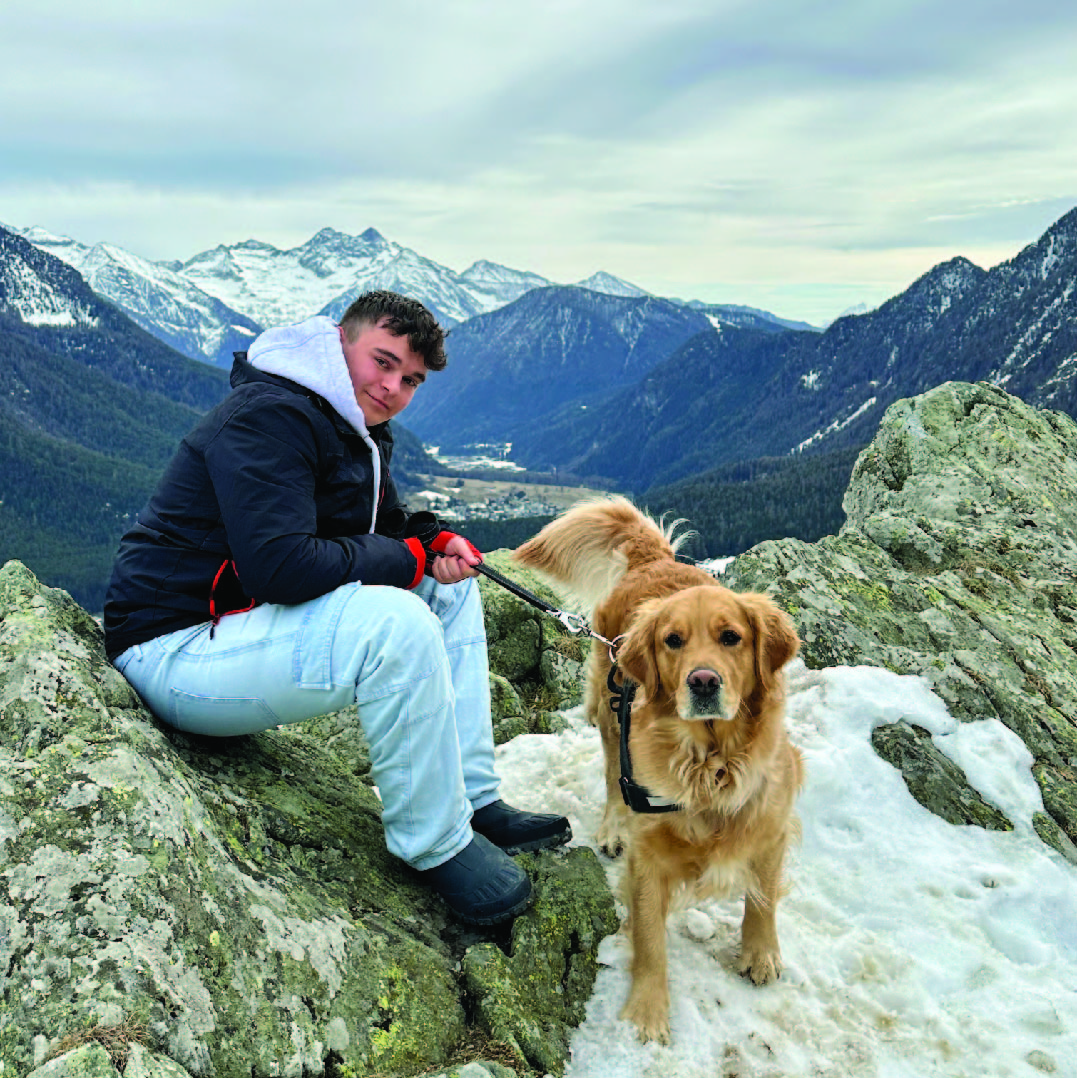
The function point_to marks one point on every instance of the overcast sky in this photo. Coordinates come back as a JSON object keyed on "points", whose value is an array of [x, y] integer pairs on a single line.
{"points": [[801, 157]]}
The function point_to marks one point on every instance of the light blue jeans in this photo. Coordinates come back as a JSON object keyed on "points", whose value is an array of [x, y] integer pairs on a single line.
{"points": [[414, 662]]}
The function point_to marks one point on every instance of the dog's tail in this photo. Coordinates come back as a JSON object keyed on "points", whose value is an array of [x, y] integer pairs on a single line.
{"points": [[589, 548]]}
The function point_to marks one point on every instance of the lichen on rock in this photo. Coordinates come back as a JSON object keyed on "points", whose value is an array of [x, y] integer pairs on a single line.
{"points": [[957, 562], [536, 664], [234, 894]]}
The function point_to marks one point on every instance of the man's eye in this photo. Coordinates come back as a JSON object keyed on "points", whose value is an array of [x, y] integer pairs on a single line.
{"points": [[674, 641], [730, 638]]}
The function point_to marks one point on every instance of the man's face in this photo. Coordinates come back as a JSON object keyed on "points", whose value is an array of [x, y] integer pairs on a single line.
{"points": [[385, 372]]}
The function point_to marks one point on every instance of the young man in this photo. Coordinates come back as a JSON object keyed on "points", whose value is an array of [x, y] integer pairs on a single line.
{"points": [[275, 575]]}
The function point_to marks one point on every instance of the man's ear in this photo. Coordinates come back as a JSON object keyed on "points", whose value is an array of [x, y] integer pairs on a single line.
{"points": [[636, 656], [776, 640]]}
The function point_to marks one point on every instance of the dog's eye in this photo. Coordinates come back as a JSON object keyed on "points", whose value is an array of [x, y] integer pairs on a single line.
{"points": [[730, 638], [674, 641]]}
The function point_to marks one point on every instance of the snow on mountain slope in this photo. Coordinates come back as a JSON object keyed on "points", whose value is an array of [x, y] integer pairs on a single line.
{"points": [[324, 274], [156, 297], [28, 291]]}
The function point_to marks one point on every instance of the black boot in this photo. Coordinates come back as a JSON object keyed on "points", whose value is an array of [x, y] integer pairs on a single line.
{"points": [[482, 885], [516, 831]]}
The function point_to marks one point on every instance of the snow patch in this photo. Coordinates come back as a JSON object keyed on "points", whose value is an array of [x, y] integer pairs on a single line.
{"points": [[913, 948], [837, 425]]}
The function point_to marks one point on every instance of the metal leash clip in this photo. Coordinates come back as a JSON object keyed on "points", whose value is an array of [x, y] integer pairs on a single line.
{"points": [[575, 623]]}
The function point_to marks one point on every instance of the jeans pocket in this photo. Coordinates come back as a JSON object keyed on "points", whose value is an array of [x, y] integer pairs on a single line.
{"points": [[219, 716]]}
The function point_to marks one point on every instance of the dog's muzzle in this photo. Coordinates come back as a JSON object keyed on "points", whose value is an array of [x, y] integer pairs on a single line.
{"points": [[706, 698]]}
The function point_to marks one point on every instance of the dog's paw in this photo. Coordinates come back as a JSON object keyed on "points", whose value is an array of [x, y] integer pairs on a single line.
{"points": [[611, 848], [651, 1019], [610, 838], [761, 964]]}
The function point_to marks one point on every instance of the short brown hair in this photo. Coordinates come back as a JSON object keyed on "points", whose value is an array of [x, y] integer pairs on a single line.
{"points": [[402, 317]]}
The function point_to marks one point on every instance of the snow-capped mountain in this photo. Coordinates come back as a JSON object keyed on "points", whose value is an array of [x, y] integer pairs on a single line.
{"points": [[216, 301], [501, 283], [155, 296], [610, 285], [323, 275]]}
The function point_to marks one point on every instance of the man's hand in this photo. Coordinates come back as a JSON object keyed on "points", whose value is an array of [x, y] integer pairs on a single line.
{"points": [[456, 561]]}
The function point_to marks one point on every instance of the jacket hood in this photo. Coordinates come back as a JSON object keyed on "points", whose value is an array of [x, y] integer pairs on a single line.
{"points": [[309, 354]]}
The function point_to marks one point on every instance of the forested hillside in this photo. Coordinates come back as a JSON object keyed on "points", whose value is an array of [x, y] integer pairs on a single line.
{"points": [[734, 507], [79, 454]]}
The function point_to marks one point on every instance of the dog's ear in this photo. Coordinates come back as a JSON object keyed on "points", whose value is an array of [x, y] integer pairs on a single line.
{"points": [[636, 655], [776, 640]]}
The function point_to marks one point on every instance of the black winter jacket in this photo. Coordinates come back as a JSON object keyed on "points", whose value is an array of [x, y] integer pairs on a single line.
{"points": [[267, 500]]}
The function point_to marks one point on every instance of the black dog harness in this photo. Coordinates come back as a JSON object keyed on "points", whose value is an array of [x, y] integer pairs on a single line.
{"points": [[636, 797]]}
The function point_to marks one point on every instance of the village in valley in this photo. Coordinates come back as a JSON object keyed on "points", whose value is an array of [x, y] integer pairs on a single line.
{"points": [[480, 494]]}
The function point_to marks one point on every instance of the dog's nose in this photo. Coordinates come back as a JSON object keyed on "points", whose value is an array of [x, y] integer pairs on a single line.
{"points": [[704, 681]]}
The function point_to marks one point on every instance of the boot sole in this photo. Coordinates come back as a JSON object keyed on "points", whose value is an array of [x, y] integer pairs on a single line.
{"points": [[551, 842], [495, 919]]}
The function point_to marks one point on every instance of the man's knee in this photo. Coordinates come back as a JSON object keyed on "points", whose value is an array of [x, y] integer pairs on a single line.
{"points": [[392, 622]]}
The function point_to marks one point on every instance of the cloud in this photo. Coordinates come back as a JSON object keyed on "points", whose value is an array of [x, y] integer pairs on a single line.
{"points": [[776, 145]]}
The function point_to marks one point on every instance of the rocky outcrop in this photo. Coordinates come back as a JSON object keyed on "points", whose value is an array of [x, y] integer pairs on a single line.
{"points": [[180, 906], [536, 665], [957, 562]]}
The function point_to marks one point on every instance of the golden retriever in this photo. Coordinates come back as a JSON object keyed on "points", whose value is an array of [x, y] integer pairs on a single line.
{"points": [[707, 732]]}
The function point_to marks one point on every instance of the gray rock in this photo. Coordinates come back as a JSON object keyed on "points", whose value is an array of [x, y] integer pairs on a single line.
{"points": [[935, 781], [235, 896], [957, 562], [480, 1069], [87, 1061], [523, 996]]}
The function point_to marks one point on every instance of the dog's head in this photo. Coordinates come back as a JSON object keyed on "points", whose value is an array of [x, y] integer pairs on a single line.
{"points": [[708, 649]]}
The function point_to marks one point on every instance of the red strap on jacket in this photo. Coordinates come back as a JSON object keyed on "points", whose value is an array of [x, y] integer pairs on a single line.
{"points": [[419, 551], [214, 617]]}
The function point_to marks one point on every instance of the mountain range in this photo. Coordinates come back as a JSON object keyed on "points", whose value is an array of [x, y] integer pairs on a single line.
{"points": [[218, 300], [742, 394], [691, 407]]}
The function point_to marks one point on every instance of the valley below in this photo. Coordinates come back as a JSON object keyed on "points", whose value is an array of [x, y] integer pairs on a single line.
{"points": [[475, 492]]}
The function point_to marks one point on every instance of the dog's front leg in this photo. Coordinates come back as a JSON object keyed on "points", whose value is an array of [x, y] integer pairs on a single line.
{"points": [[760, 955], [612, 831], [647, 1007]]}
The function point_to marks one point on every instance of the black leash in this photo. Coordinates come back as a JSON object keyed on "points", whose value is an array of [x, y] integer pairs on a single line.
{"points": [[636, 797], [574, 623]]}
